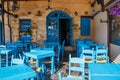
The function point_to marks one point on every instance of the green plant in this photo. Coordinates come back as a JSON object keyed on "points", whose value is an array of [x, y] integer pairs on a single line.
{"points": [[29, 31]]}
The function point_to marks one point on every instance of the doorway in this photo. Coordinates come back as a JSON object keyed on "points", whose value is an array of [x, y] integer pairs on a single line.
{"points": [[0, 32], [59, 27], [64, 25]]}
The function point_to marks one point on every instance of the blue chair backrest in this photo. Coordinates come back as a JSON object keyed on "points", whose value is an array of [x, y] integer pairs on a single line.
{"points": [[34, 45], [87, 39], [18, 60], [100, 46], [78, 65], [57, 54], [88, 53], [102, 52]]}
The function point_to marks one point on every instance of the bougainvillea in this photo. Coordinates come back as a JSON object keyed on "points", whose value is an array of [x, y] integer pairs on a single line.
{"points": [[115, 10]]}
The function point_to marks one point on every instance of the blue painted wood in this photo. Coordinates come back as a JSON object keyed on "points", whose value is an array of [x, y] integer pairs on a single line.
{"points": [[67, 78], [71, 32], [105, 78], [25, 29], [75, 65], [102, 54], [4, 52], [0, 32], [85, 27], [42, 54], [53, 30], [104, 70], [16, 72], [25, 25]]}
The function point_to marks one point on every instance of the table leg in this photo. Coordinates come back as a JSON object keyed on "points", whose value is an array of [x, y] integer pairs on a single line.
{"points": [[6, 59], [52, 65], [32, 79], [89, 75], [39, 74], [0, 60]]}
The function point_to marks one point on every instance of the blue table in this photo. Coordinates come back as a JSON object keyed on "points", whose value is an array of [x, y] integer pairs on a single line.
{"points": [[41, 54], [103, 70], [106, 78], [16, 72], [71, 78]]}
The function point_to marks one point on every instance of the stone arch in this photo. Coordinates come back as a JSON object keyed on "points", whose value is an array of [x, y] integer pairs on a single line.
{"points": [[58, 8]]}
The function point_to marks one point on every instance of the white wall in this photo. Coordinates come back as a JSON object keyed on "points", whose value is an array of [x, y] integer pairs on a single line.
{"points": [[101, 36], [115, 53], [101, 28], [7, 34]]}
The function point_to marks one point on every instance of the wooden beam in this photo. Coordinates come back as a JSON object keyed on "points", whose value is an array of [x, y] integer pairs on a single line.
{"points": [[26, 0], [109, 3], [93, 3]]}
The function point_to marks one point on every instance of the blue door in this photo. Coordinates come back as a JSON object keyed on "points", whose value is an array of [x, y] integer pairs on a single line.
{"points": [[0, 32], [59, 24], [85, 26], [71, 32]]}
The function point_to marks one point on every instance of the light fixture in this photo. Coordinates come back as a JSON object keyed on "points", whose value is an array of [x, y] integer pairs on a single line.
{"points": [[103, 21], [76, 13], [39, 13], [48, 8], [16, 5]]}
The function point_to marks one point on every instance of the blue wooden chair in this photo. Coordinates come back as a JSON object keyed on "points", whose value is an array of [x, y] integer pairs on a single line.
{"points": [[2, 46], [62, 48], [80, 47], [75, 65], [101, 55], [5, 58], [2, 60], [78, 43], [100, 46], [88, 55], [19, 45], [57, 54], [18, 60], [87, 39]]}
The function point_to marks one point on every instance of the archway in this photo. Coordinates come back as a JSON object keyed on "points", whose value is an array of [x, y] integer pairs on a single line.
{"points": [[59, 27]]}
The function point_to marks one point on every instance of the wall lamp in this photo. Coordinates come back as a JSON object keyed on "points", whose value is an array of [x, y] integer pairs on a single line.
{"points": [[75, 13], [103, 21]]}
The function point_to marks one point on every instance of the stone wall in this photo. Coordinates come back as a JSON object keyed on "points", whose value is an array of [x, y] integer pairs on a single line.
{"points": [[29, 10]]}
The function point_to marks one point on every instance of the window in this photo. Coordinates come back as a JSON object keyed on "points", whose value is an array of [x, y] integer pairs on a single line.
{"points": [[115, 30]]}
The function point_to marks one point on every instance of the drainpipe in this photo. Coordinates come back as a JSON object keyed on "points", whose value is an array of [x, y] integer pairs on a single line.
{"points": [[3, 22], [9, 24]]}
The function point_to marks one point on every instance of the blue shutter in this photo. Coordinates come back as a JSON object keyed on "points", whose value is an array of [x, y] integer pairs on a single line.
{"points": [[85, 26]]}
